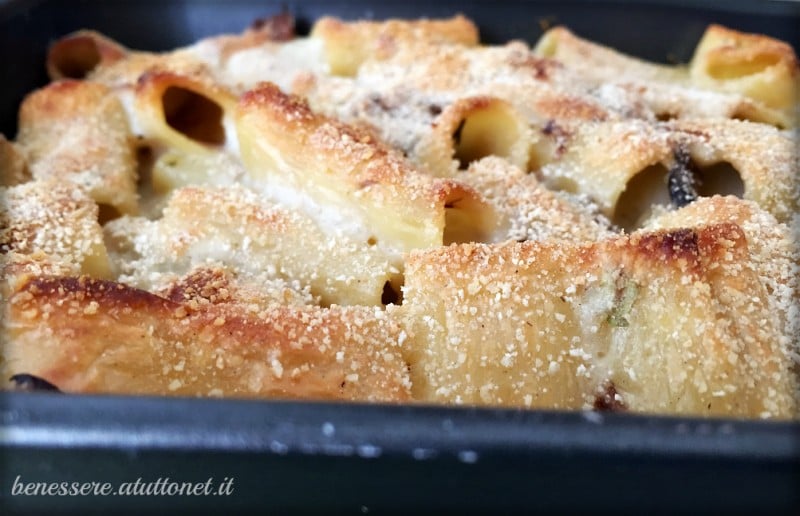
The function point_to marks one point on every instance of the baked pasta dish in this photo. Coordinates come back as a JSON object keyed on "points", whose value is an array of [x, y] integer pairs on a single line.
{"points": [[391, 211]]}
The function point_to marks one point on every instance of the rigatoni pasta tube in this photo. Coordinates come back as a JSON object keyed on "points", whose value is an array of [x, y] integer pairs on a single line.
{"points": [[349, 44], [473, 128], [78, 131], [187, 111], [105, 337], [77, 55], [281, 139], [556, 325], [752, 65], [259, 239]]}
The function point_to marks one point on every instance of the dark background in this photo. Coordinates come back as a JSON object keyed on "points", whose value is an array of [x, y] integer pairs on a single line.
{"points": [[661, 31]]}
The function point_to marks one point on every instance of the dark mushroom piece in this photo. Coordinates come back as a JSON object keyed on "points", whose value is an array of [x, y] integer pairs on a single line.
{"points": [[30, 383], [682, 179]]}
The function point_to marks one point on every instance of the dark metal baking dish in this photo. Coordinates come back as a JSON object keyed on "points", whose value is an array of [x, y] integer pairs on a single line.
{"points": [[316, 457]]}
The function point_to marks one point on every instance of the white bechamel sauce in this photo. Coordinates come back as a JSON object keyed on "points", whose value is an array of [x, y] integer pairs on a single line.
{"points": [[279, 63], [231, 136], [127, 98]]}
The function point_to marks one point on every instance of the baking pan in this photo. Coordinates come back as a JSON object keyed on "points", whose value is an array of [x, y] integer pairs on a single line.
{"points": [[351, 458]]}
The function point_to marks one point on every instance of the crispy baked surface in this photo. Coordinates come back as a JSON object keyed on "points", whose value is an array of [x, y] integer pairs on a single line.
{"points": [[389, 211]]}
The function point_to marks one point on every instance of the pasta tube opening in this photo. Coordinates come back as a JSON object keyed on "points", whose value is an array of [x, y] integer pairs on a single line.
{"points": [[474, 128], [467, 218], [107, 213], [642, 192], [392, 292], [758, 67], [735, 69], [720, 179], [75, 56], [490, 130], [186, 111], [679, 185], [194, 115]]}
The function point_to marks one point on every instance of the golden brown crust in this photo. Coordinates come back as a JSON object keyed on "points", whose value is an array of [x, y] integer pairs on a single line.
{"points": [[86, 335], [773, 256], [210, 285]]}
